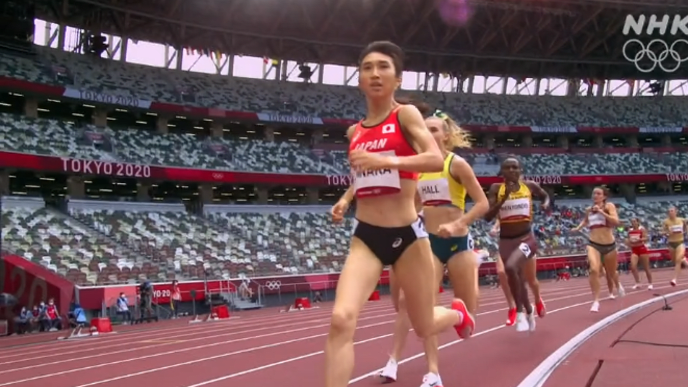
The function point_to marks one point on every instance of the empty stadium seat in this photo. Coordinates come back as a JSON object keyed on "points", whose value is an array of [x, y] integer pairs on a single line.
{"points": [[114, 242]]}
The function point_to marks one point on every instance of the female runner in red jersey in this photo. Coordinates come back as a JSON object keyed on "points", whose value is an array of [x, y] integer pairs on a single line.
{"points": [[637, 237], [387, 150]]}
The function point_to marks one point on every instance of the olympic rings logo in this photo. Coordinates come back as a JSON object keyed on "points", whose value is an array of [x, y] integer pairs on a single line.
{"points": [[273, 285], [656, 53]]}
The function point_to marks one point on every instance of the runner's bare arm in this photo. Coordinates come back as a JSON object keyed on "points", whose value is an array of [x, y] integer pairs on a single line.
{"points": [[495, 227], [349, 194], [429, 157], [461, 169], [583, 222], [539, 192], [350, 131], [494, 204]]}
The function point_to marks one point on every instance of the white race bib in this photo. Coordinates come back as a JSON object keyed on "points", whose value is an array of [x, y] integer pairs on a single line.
{"points": [[515, 208], [676, 228], [380, 182], [525, 249], [434, 192], [596, 220]]}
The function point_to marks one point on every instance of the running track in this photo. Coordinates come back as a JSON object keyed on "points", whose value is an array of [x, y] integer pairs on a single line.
{"points": [[268, 347]]}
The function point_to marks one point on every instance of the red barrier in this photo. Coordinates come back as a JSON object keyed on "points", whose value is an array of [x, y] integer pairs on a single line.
{"points": [[221, 311], [375, 296], [101, 324], [92, 297], [302, 303], [31, 283]]}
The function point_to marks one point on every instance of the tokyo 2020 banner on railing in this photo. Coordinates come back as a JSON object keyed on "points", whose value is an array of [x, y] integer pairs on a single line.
{"points": [[120, 169]]}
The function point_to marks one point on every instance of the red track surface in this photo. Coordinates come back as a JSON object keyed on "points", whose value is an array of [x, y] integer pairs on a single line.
{"points": [[267, 347]]}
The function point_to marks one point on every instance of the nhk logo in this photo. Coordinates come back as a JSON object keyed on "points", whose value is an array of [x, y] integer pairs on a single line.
{"points": [[666, 53]]}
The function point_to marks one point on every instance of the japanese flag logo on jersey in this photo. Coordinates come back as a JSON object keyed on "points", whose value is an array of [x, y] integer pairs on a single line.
{"points": [[388, 129]]}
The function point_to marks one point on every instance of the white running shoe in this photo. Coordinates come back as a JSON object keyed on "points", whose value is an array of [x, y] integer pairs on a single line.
{"points": [[612, 296], [636, 286], [431, 380], [650, 287], [673, 282], [389, 373], [522, 322], [531, 322], [620, 290], [595, 307]]}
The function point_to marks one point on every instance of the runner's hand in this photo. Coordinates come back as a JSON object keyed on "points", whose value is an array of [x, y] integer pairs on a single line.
{"points": [[494, 231], [456, 228], [361, 160], [510, 187], [338, 210]]}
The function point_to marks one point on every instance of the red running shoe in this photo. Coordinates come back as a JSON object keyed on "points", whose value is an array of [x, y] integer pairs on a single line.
{"points": [[467, 326], [511, 319], [540, 308]]}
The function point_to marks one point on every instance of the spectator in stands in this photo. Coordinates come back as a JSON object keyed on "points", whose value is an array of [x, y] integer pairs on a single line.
{"points": [[22, 323], [35, 319], [43, 319], [122, 306], [175, 298], [54, 321]]}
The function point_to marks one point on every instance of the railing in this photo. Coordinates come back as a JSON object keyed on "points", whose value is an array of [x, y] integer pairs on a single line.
{"points": [[161, 300], [541, 258], [109, 309], [308, 284]]}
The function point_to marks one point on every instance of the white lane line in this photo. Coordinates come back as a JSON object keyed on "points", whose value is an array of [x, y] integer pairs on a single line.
{"points": [[290, 360], [417, 356], [492, 297], [67, 360], [542, 372], [241, 351], [181, 350]]}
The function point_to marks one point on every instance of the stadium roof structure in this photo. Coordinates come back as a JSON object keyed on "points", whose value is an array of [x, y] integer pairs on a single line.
{"points": [[521, 38]]}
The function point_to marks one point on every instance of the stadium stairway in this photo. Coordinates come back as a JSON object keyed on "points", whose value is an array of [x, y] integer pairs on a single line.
{"points": [[239, 304], [232, 299], [121, 249]]}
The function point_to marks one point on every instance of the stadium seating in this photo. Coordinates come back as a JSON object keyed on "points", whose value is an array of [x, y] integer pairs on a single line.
{"points": [[60, 138], [254, 95], [108, 242], [67, 247]]}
